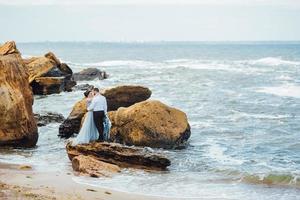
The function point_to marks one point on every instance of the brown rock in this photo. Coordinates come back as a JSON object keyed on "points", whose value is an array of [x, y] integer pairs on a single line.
{"points": [[150, 123], [72, 124], [120, 96], [125, 95], [18, 127], [38, 67], [93, 167], [52, 57], [48, 85], [120, 155], [63, 67], [9, 48]]}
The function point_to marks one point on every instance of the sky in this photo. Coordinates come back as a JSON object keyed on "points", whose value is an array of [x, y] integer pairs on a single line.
{"points": [[149, 20]]}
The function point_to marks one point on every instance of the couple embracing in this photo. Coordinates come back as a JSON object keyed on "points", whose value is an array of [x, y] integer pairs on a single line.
{"points": [[96, 125]]}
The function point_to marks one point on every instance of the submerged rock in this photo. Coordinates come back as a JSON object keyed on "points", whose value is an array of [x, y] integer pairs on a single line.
{"points": [[120, 96], [47, 118], [120, 155], [18, 127], [83, 87], [150, 123], [90, 74], [87, 165]]}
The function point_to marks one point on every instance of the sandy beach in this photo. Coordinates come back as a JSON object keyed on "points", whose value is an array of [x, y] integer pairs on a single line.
{"points": [[23, 182]]}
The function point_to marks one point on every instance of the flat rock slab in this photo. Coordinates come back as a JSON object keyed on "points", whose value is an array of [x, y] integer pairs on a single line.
{"points": [[121, 155], [87, 165]]}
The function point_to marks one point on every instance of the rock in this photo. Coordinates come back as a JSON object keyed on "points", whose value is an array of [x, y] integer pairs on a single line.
{"points": [[38, 67], [120, 155], [121, 96], [48, 85], [64, 68], [93, 167], [52, 57], [72, 124], [90, 74], [150, 123], [47, 118], [83, 87], [125, 95], [18, 127], [25, 167], [9, 48], [47, 75], [69, 84]]}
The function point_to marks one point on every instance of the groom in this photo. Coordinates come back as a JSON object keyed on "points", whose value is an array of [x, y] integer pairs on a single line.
{"points": [[99, 108]]}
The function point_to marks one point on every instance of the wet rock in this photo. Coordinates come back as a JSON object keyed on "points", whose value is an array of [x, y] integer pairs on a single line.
{"points": [[120, 155], [72, 124], [90, 74], [83, 87], [120, 96], [88, 165], [150, 123], [18, 127], [125, 95], [48, 85], [47, 118], [64, 68]]}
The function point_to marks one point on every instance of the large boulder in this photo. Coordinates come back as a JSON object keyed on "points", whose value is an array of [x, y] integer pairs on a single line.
{"points": [[150, 123], [87, 165], [120, 96], [125, 95], [48, 85], [90, 74], [39, 66], [18, 126], [120, 155], [72, 124], [47, 75]]}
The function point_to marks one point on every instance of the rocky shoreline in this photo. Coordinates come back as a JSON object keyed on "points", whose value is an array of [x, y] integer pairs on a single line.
{"points": [[137, 122]]}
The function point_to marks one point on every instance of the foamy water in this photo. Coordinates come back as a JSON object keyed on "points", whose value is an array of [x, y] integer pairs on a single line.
{"points": [[242, 102]]}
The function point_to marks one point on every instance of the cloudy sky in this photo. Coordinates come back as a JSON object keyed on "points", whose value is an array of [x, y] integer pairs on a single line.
{"points": [[149, 20]]}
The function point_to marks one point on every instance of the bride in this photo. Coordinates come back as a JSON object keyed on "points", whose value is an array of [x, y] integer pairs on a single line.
{"points": [[88, 131]]}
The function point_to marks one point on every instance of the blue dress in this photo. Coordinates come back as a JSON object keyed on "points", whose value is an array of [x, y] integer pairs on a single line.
{"points": [[88, 132]]}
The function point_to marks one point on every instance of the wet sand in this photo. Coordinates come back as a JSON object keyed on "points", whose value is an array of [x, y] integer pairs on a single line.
{"points": [[24, 183]]}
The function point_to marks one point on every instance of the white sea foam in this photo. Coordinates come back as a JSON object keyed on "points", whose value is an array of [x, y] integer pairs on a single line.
{"points": [[285, 78], [288, 90], [238, 115], [216, 152], [272, 61]]}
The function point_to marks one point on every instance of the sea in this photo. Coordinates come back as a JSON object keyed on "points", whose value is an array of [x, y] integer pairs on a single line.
{"points": [[242, 100]]}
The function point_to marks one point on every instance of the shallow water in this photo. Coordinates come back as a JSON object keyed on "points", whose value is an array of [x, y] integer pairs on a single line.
{"points": [[242, 101]]}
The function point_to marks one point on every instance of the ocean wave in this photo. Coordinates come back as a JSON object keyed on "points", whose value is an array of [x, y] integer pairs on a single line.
{"points": [[239, 115], [287, 90], [273, 179], [217, 153], [272, 61]]}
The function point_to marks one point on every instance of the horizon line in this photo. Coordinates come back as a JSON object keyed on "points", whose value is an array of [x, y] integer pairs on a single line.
{"points": [[156, 41]]}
